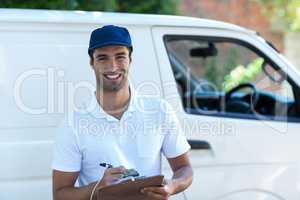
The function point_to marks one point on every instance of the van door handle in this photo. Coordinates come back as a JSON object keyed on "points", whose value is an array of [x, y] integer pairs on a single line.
{"points": [[199, 145]]}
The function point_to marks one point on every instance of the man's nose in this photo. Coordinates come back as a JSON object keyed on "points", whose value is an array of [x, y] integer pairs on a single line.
{"points": [[113, 63]]}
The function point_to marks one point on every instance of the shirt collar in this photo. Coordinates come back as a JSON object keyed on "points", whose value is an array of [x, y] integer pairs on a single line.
{"points": [[97, 111]]}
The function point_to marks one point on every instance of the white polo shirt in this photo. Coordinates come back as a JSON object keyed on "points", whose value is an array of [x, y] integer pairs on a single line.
{"points": [[148, 129]]}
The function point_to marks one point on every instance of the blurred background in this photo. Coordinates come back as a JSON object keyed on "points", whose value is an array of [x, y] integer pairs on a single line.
{"points": [[278, 21]]}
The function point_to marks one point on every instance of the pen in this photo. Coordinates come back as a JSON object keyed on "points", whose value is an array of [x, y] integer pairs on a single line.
{"points": [[106, 165]]}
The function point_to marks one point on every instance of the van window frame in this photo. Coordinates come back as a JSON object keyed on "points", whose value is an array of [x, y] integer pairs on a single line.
{"points": [[295, 87]]}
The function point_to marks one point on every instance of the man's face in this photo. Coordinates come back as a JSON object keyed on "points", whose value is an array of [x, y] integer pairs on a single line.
{"points": [[111, 65]]}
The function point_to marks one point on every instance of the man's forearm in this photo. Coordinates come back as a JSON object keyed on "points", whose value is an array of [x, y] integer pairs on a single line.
{"points": [[74, 193], [181, 179]]}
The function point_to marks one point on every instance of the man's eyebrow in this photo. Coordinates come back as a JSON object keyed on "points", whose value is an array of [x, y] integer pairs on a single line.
{"points": [[120, 53], [100, 55], [105, 55]]}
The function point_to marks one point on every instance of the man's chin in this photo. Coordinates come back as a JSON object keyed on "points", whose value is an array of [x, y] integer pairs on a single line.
{"points": [[113, 87]]}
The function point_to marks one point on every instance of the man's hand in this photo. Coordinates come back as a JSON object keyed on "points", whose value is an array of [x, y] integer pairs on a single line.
{"points": [[111, 175], [182, 178], [159, 193], [63, 184]]}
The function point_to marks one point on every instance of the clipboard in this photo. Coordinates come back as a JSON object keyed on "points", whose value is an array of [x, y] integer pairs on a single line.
{"points": [[129, 189]]}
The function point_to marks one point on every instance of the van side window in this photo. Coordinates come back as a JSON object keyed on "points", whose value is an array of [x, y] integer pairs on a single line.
{"points": [[225, 77]]}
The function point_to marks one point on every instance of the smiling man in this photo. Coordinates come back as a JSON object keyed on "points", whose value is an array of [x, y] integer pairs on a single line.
{"points": [[131, 131]]}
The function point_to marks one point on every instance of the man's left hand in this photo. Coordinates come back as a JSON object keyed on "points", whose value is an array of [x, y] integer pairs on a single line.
{"points": [[159, 193]]}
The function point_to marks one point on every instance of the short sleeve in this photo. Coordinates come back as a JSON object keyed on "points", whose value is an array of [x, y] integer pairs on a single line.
{"points": [[66, 155], [175, 142]]}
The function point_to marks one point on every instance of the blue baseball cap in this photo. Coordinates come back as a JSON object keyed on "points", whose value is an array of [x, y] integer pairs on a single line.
{"points": [[109, 35]]}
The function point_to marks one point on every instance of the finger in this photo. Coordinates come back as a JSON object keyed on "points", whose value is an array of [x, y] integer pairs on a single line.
{"points": [[117, 176], [111, 180], [116, 170], [158, 190]]}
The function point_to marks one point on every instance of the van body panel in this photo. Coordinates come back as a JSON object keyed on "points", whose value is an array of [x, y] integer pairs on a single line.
{"points": [[244, 154], [45, 73]]}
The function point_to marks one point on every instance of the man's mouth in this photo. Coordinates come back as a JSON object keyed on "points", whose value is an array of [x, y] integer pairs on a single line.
{"points": [[114, 76]]}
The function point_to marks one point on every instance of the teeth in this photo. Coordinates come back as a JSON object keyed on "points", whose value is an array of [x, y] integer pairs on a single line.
{"points": [[112, 76], [115, 76]]}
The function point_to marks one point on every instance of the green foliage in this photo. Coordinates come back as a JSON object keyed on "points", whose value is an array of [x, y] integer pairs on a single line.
{"points": [[242, 74], [284, 13], [213, 67], [135, 6]]}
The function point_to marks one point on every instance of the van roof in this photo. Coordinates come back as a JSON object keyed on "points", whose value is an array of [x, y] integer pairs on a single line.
{"points": [[87, 17]]}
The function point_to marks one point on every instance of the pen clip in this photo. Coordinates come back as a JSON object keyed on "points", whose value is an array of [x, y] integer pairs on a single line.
{"points": [[106, 165]]}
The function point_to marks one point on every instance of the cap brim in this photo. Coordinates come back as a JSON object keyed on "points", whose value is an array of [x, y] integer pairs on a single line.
{"points": [[108, 44]]}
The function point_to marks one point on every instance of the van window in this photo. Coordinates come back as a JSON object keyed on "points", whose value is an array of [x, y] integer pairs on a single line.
{"points": [[225, 77]]}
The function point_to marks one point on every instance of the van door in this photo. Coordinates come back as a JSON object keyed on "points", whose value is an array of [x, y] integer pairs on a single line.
{"points": [[235, 100]]}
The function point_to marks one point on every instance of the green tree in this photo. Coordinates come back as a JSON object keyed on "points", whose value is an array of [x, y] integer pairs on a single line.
{"points": [[284, 13], [135, 6], [222, 67], [242, 74]]}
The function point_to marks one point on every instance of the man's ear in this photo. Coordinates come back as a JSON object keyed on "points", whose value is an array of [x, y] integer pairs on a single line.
{"points": [[91, 63]]}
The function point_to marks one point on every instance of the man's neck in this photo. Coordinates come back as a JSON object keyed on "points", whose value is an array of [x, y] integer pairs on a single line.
{"points": [[114, 103]]}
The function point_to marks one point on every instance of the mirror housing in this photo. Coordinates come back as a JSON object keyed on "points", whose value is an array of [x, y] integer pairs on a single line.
{"points": [[204, 52]]}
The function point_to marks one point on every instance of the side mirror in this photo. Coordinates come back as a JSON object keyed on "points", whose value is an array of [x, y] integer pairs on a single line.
{"points": [[275, 75]]}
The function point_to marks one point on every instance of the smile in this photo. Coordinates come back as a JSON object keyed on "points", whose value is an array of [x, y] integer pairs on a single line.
{"points": [[112, 76]]}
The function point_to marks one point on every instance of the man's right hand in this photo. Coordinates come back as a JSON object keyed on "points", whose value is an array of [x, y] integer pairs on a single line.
{"points": [[63, 184], [111, 175]]}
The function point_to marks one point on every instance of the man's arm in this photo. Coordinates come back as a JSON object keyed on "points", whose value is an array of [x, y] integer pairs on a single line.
{"points": [[182, 173], [182, 178], [64, 189]]}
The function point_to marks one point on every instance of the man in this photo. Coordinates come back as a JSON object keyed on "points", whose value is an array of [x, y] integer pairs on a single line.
{"points": [[119, 127]]}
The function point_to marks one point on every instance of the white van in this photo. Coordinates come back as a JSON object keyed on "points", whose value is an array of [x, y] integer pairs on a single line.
{"points": [[238, 99]]}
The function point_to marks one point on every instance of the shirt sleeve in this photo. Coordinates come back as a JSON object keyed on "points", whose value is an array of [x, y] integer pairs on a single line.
{"points": [[66, 155], [175, 142]]}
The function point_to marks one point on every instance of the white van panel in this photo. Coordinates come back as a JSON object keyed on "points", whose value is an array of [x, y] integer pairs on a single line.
{"points": [[45, 72], [244, 156]]}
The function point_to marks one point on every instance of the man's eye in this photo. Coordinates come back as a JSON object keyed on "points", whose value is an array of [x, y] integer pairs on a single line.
{"points": [[101, 58], [121, 57]]}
